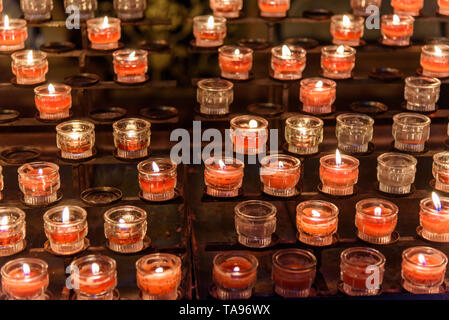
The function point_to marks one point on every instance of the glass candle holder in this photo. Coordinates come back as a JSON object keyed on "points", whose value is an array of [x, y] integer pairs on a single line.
{"points": [[36, 10], [337, 62], [356, 265], [396, 29], [130, 65], [440, 171], [249, 134], [75, 139], [279, 174], [94, 277], [2, 184], [214, 96], [12, 231], [25, 279], [396, 172], [13, 34], [422, 93], [360, 7], [234, 274], [410, 131], [347, 29], [407, 7], [125, 228], [159, 276], [209, 31], [354, 132], [86, 7], [288, 62], [132, 137], [223, 177], [53, 101], [443, 7], [29, 66], [157, 179], [66, 228], [317, 95], [255, 222], [103, 33], [435, 60], [130, 9], [235, 62], [317, 222], [303, 134], [423, 270], [39, 182], [376, 220], [293, 272], [338, 174], [226, 8], [273, 8], [434, 218]]}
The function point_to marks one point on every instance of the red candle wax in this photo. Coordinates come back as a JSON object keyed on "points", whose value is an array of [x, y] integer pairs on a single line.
{"points": [[316, 97], [130, 68], [355, 276], [24, 289], [227, 280], [306, 223], [156, 184], [95, 284], [407, 5], [159, 281], [30, 71], [53, 103], [369, 225], [337, 177], [67, 235], [210, 35], [397, 30], [13, 36], [434, 64], [273, 6], [106, 35], [235, 64], [132, 144], [288, 65], [293, 281], [278, 179], [443, 4], [340, 64], [423, 275], [223, 178], [347, 35], [38, 186], [6, 239]]}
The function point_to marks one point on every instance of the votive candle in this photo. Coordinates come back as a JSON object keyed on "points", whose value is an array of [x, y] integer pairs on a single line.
{"points": [[434, 218], [12, 231], [338, 174], [407, 7], [130, 65], [209, 31], [157, 179], [361, 7], [317, 95], [288, 62], [443, 7], [13, 34], [337, 62], [53, 101], [223, 177], [29, 66], [39, 182], [75, 139], [273, 8], [280, 174], [104, 33], [132, 137], [226, 8], [249, 134], [347, 29], [235, 62], [396, 29]]}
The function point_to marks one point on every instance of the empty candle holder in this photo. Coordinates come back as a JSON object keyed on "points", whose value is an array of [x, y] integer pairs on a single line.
{"points": [[423, 270], [249, 134], [293, 272], [132, 138], [356, 269], [209, 31], [410, 131], [75, 139], [25, 279], [223, 177], [376, 220], [422, 93], [303, 134], [440, 171], [407, 7], [280, 174], [130, 65], [214, 96], [234, 275], [157, 179], [235, 62], [86, 7], [317, 95], [347, 29], [338, 174], [255, 222], [434, 218], [273, 8], [361, 7], [354, 132], [396, 29], [226, 8], [125, 228], [317, 222], [39, 182], [66, 228], [12, 231], [29, 66], [36, 10], [103, 33], [13, 34], [159, 276], [435, 60], [130, 9], [288, 62], [443, 7], [337, 62], [396, 172]]}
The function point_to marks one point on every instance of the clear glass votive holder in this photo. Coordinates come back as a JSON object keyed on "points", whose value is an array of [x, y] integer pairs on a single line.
{"points": [[273, 8], [104, 33], [130, 65], [13, 34], [360, 7], [159, 276], [223, 177], [132, 137], [12, 231], [249, 134], [443, 7], [410, 131], [66, 228], [440, 171], [317, 95], [337, 62], [214, 96], [53, 101], [39, 182], [317, 222], [279, 174], [303, 134], [435, 60], [434, 219], [288, 62], [29, 66], [234, 275], [293, 272], [157, 179], [422, 93], [255, 222], [75, 139], [235, 62], [25, 279], [407, 7], [125, 228], [86, 7], [226, 8], [338, 179], [396, 29], [36, 10], [375, 220], [356, 270], [209, 31], [423, 270], [396, 172], [347, 29], [130, 9], [354, 132]]}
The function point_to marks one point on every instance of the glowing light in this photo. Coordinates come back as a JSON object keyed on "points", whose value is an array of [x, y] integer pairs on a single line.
{"points": [[65, 215], [319, 84], [253, 124], [236, 269], [281, 164], [26, 269], [237, 52], [422, 259], [6, 22], [315, 213], [132, 55], [337, 158], [4, 223], [286, 51], [155, 167], [105, 23], [341, 50], [51, 89], [396, 19], [40, 171], [95, 268], [221, 164], [30, 57], [121, 220], [378, 211], [438, 51], [346, 21], [436, 201], [210, 22], [159, 270]]}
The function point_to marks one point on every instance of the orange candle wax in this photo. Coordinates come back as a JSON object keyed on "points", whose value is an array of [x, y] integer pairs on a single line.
{"points": [[39, 182], [317, 227], [423, 275], [157, 179], [94, 284], [407, 6], [370, 224], [24, 286], [274, 8], [235, 264]]}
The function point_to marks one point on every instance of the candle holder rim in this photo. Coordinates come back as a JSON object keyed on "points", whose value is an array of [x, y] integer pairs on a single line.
{"points": [[270, 214], [261, 120], [319, 122], [398, 118], [138, 219], [393, 207], [296, 51], [233, 254], [92, 22], [41, 263], [226, 160], [429, 49], [265, 161], [334, 211], [88, 126], [37, 54], [332, 50], [42, 90], [124, 53], [116, 124], [244, 51], [431, 82], [300, 252], [373, 252], [20, 219], [174, 259], [205, 18], [173, 167], [402, 18], [324, 159], [310, 83], [428, 250], [203, 84], [437, 158], [338, 18], [381, 159], [91, 258], [428, 206], [342, 117], [22, 168], [14, 23], [71, 223]]}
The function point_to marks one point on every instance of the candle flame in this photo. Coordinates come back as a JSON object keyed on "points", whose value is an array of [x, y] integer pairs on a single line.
{"points": [[95, 268], [26, 269], [281, 164], [121, 220], [40, 171], [210, 22], [341, 50], [105, 23], [346, 21], [221, 164], [315, 213], [378, 211], [236, 269], [396, 19], [319, 84], [438, 51], [132, 55], [159, 270], [3, 223], [253, 124], [237, 51], [30, 57], [6, 22], [286, 51], [51, 89], [436, 201], [155, 167], [65, 215], [422, 259], [337, 158]]}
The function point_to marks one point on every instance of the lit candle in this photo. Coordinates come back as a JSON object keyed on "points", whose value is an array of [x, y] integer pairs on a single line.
{"points": [[435, 60], [443, 7], [303, 134], [337, 62], [13, 34], [434, 218], [39, 182], [75, 139], [288, 62], [12, 231], [396, 30], [273, 8], [347, 29], [129, 10], [157, 179], [410, 131], [317, 95], [249, 134], [280, 175], [66, 228], [235, 62], [226, 8], [362, 7], [354, 132], [29, 66], [130, 66], [209, 31], [223, 177], [53, 101], [86, 7], [132, 138], [440, 171], [407, 7], [104, 33], [37, 10]]}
